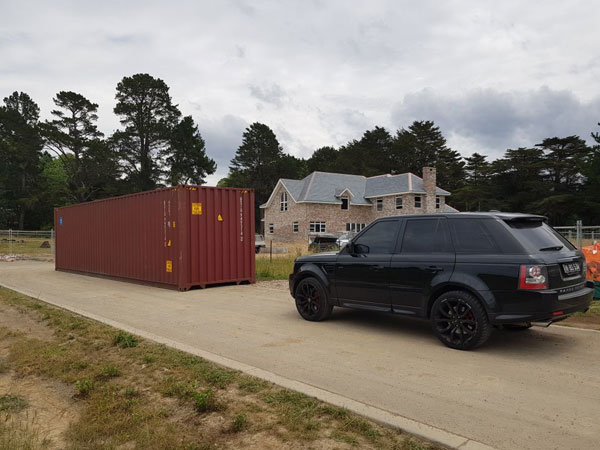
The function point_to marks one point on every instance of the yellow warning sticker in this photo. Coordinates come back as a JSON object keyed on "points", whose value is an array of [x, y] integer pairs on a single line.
{"points": [[169, 267], [169, 243], [173, 224], [196, 209], [220, 218]]}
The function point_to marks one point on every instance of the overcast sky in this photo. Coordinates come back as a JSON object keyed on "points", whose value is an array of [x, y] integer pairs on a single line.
{"points": [[493, 75]]}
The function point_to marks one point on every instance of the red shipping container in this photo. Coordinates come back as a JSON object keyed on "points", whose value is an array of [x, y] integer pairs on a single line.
{"points": [[175, 237]]}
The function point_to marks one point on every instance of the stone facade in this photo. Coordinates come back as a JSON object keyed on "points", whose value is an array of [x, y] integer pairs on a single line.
{"points": [[336, 218]]}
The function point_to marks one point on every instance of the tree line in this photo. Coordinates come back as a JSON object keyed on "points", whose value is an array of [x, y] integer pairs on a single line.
{"points": [[558, 177], [67, 160]]}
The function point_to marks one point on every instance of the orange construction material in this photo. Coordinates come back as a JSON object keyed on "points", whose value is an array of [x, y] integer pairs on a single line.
{"points": [[592, 259]]}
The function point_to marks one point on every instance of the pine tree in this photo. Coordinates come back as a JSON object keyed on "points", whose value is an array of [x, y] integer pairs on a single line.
{"points": [[188, 162], [149, 116]]}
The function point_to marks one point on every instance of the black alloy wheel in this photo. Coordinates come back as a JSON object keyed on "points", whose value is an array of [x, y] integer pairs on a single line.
{"points": [[311, 300], [460, 321]]}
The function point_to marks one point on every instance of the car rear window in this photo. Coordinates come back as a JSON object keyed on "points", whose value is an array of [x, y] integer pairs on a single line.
{"points": [[484, 236], [537, 235]]}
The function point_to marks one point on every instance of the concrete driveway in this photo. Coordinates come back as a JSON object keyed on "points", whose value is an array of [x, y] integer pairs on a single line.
{"points": [[538, 389]]}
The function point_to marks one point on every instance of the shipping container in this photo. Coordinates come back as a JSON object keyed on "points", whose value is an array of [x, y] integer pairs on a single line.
{"points": [[175, 237]]}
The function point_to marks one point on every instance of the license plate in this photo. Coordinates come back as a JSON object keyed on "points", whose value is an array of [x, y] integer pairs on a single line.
{"points": [[571, 268]]}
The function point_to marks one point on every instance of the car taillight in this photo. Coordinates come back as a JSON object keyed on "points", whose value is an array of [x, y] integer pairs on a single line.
{"points": [[533, 277]]}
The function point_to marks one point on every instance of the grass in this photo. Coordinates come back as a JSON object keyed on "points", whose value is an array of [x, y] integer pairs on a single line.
{"points": [[277, 269], [240, 422], [132, 393], [590, 319], [12, 403], [21, 435], [125, 340], [30, 246]]}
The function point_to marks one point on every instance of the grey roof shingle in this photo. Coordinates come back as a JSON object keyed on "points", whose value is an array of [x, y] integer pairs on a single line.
{"points": [[325, 187]]}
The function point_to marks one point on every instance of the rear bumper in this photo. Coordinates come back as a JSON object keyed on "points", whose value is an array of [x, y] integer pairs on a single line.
{"points": [[542, 306]]}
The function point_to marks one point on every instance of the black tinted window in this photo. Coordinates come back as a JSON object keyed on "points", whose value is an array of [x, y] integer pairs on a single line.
{"points": [[483, 236], [537, 235], [426, 236], [380, 238]]}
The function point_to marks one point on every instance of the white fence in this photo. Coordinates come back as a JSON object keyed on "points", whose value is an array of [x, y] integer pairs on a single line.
{"points": [[21, 242], [579, 234]]}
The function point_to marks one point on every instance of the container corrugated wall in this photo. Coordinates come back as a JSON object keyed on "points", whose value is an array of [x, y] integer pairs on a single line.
{"points": [[179, 237]]}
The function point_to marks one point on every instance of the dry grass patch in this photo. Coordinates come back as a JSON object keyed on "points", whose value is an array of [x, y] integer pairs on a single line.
{"points": [[590, 319], [132, 393]]}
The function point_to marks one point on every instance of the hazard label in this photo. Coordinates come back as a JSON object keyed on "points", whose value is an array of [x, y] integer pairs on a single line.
{"points": [[220, 218], [169, 266], [196, 209]]}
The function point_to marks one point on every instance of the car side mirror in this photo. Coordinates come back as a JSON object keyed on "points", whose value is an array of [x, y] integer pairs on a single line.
{"points": [[361, 249], [350, 248]]}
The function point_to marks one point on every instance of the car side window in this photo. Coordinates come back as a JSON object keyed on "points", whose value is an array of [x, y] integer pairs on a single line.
{"points": [[472, 236], [379, 239], [426, 236]]}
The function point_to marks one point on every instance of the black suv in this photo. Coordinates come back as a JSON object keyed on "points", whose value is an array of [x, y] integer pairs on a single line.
{"points": [[467, 272]]}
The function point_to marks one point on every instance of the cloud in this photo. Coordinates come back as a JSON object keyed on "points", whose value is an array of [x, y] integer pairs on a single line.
{"points": [[490, 121], [321, 72], [272, 94], [222, 137]]}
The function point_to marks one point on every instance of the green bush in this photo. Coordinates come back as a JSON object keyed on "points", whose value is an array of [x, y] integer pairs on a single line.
{"points": [[125, 340], [83, 387], [205, 401], [12, 403], [240, 422], [109, 371]]}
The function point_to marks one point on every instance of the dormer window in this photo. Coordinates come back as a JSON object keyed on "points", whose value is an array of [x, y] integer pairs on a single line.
{"points": [[417, 201], [345, 202], [283, 205], [437, 202]]}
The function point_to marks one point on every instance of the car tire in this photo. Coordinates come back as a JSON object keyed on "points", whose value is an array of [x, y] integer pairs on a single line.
{"points": [[311, 300], [517, 326], [460, 321]]}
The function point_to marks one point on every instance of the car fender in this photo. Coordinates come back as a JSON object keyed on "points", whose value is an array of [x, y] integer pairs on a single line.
{"points": [[314, 270], [466, 283]]}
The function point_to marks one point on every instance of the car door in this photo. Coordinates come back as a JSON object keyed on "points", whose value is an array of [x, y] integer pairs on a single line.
{"points": [[362, 268], [424, 257]]}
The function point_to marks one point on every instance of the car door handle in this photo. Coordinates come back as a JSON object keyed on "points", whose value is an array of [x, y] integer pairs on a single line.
{"points": [[434, 269], [377, 267]]}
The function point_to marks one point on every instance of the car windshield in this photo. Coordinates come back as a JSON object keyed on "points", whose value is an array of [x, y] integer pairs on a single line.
{"points": [[539, 236]]}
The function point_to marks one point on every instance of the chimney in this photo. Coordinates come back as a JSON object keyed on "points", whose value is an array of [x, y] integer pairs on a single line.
{"points": [[429, 182]]}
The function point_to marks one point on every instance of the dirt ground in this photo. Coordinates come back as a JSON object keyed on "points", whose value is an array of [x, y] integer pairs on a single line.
{"points": [[143, 395]]}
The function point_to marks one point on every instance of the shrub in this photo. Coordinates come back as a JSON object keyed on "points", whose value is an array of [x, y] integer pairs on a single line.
{"points": [[131, 392], [125, 340], [12, 403], [205, 401], [83, 387], [109, 371], [240, 422]]}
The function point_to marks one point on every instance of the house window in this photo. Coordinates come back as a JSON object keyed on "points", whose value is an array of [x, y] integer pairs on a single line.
{"points": [[379, 204], [344, 203], [295, 227], [271, 228], [355, 226], [437, 202], [398, 202], [417, 201], [317, 227], [284, 202]]}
